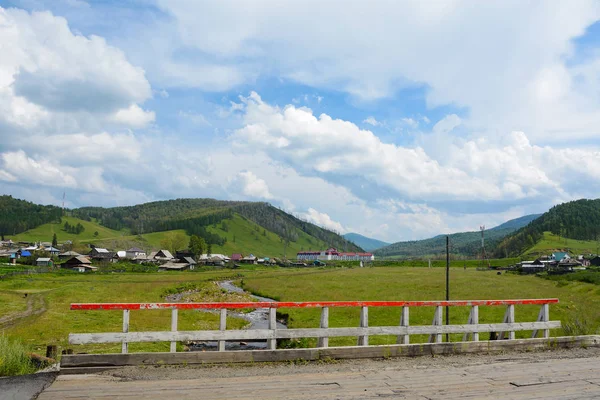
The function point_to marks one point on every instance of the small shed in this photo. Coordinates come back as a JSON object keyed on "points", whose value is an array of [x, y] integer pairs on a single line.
{"points": [[43, 262]]}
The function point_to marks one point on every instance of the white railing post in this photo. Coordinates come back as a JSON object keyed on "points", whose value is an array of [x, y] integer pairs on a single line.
{"points": [[272, 343], [404, 339], [543, 316], [174, 314], [363, 340], [509, 318], [437, 321], [324, 341], [473, 320], [222, 327], [546, 318], [124, 346]]}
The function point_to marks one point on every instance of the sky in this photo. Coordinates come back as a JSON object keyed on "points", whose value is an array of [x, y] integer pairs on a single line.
{"points": [[395, 120]]}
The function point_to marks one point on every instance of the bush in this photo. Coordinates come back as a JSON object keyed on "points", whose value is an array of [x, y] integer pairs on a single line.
{"points": [[13, 358]]}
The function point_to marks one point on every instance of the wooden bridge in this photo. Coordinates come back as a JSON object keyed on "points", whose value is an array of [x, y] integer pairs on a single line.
{"points": [[471, 330]]}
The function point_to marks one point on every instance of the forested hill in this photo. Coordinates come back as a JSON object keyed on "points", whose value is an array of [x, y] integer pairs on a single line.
{"points": [[464, 243], [578, 219], [194, 215], [17, 216]]}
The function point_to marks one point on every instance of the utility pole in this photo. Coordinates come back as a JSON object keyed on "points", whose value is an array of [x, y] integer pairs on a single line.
{"points": [[447, 283]]}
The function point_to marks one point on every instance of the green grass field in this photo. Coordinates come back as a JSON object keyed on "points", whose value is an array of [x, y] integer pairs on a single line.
{"points": [[54, 293], [577, 300], [551, 243]]}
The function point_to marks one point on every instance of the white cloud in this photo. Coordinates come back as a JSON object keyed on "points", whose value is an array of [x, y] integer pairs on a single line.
{"points": [[479, 170], [134, 116], [508, 62], [247, 183], [323, 220], [43, 172], [372, 121], [53, 80]]}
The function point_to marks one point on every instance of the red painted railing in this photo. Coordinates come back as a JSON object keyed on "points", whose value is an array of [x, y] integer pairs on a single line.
{"points": [[306, 304]]}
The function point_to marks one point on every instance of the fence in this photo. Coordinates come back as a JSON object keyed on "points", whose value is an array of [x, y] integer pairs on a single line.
{"points": [[470, 330]]}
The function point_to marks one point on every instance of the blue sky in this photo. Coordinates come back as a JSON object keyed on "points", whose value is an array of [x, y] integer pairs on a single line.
{"points": [[395, 120]]}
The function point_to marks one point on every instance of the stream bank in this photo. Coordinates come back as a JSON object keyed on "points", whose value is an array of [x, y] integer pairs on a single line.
{"points": [[258, 319]]}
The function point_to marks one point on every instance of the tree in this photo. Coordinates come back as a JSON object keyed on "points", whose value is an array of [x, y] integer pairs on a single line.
{"points": [[96, 234], [173, 241], [208, 250], [54, 241], [197, 245]]}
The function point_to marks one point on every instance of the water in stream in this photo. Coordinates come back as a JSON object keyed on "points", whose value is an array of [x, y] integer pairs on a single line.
{"points": [[258, 318]]}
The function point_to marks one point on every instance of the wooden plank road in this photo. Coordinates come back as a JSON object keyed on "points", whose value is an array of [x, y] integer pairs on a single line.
{"points": [[524, 377]]}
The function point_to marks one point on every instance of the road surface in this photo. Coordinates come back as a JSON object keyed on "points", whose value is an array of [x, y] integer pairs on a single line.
{"points": [[559, 374]]}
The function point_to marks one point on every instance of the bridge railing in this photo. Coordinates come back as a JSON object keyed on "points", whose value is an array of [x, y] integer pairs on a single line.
{"points": [[471, 330]]}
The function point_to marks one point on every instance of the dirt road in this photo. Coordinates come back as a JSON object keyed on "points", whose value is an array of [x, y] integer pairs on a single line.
{"points": [[557, 374], [36, 305]]}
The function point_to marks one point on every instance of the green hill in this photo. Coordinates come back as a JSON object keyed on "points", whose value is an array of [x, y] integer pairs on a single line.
{"points": [[576, 220], [44, 233], [550, 243], [230, 227], [464, 243]]}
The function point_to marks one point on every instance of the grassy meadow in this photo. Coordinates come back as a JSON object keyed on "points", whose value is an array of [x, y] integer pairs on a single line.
{"points": [[50, 320], [551, 243]]}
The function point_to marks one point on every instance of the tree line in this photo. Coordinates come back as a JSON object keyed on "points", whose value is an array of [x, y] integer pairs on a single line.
{"points": [[19, 215]]}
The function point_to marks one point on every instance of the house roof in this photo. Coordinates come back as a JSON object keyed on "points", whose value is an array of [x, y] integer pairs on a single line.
{"points": [[100, 250], [53, 249], [166, 254], [121, 253], [25, 253], [104, 256], [43, 259], [70, 253], [78, 259], [175, 266], [189, 260], [135, 249], [560, 255], [237, 256]]}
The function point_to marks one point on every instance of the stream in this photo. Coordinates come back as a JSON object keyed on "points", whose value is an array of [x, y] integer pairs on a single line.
{"points": [[258, 318]]}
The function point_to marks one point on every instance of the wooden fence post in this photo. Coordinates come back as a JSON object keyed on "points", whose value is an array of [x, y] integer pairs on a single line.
{"points": [[222, 327], [543, 316], [124, 346], [437, 320], [473, 320], [404, 339], [324, 341], [509, 318], [174, 315], [272, 343], [363, 340]]}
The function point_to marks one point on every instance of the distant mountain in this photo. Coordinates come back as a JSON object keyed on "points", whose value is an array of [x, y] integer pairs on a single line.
{"points": [[579, 220], [464, 243], [366, 243]]}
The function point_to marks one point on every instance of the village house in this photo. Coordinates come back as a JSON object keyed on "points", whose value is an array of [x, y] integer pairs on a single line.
{"points": [[333, 254], [68, 254], [43, 262], [134, 252], [237, 257], [52, 250], [251, 259], [161, 256], [79, 263]]}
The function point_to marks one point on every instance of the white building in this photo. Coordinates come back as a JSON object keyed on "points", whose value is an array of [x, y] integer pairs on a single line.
{"points": [[332, 254]]}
